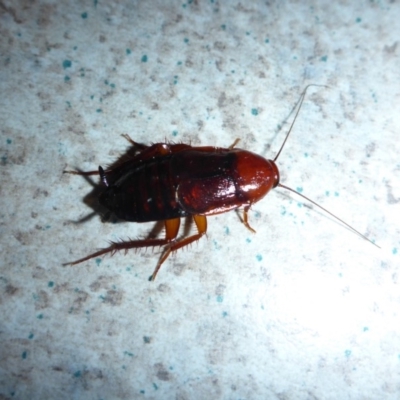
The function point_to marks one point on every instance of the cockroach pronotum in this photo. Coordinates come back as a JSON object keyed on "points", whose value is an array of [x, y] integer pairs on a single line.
{"points": [[165, 182]]}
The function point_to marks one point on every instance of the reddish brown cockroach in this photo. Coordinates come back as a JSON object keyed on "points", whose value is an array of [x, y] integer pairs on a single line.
{"points": [[165, 182]]}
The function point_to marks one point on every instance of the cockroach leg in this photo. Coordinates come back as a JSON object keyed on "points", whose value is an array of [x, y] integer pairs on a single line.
{"points": [[133, 143], [246, 219], [171, 232], [234, 144], [170, 243], [123, 245], [201, 224], [84, 173]]}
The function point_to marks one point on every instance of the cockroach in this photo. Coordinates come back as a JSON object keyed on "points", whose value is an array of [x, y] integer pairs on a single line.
{"points": [[165, 182]]}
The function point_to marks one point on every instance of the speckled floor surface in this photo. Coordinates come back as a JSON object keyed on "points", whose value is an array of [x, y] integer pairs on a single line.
{"points": [[304, 308]]}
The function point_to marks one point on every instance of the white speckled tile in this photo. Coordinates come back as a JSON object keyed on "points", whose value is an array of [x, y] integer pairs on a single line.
{"points": [[303, 309]]}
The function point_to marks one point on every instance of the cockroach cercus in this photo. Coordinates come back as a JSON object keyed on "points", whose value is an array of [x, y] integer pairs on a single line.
{"points": [[165, 182]]}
